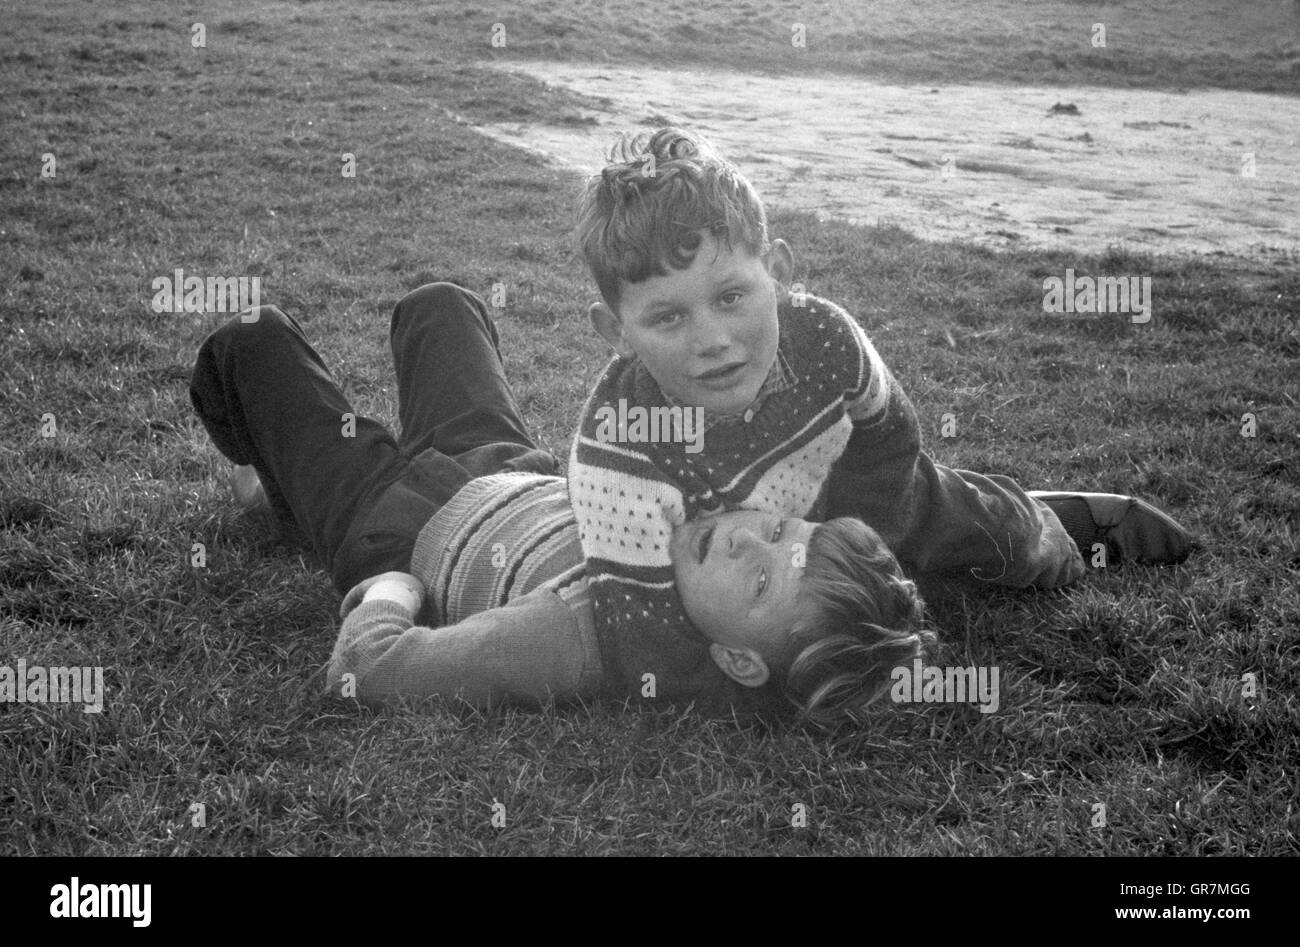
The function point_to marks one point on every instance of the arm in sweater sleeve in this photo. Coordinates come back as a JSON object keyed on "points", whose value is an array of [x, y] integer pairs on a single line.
{"points": [[877, 476], [530, 649], [931, 516]]}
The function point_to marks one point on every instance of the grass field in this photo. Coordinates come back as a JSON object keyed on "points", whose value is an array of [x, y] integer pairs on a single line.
{"points": [[1124, 690]]}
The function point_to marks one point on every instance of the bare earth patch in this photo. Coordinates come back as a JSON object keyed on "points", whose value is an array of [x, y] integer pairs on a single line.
{"points": [[1002, 166]]}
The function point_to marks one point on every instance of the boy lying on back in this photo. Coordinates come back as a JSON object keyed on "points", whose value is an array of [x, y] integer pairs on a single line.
{"points": [[462, 522]]}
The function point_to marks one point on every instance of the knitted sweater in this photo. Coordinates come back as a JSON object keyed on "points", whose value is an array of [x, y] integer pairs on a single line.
{"points": [[509, 614], [776, 457], [499, 537]]}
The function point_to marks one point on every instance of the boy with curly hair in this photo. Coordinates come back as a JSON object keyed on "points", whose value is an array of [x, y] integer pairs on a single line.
{"points": [[800, 417]]}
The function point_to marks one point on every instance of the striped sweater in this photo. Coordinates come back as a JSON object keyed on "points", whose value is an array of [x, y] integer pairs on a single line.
{"points": [[499, 538], [775, 458], [512, 615]]}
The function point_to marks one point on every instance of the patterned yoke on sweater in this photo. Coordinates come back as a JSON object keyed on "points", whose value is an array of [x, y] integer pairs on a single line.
{"points": [[827, 381]]}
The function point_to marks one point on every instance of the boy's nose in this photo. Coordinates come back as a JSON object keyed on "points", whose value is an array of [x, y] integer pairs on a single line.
{"points": [[711, 336], [741, 539]]}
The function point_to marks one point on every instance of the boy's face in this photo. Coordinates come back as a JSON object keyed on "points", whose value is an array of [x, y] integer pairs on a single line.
{"points": [[708, 334], [739, 577]]}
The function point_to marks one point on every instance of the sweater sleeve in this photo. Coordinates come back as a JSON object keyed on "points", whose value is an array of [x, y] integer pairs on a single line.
{"points": [[877, 476], [530, 649], [876, 399]]}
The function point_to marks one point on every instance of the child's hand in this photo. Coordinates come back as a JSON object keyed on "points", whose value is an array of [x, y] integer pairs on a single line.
{"points": [[400, 587]]}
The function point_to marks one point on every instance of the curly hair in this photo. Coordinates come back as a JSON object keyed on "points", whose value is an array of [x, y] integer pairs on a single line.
{"points": [[642, 214], [863, 618]]}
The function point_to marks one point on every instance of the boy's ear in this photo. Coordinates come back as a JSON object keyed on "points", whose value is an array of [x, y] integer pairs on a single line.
{"points": [[779, 260], [743, 665], [610, 328]]}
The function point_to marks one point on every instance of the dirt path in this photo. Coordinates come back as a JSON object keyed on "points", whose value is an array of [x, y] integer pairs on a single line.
{"points": [[1153, 171]]}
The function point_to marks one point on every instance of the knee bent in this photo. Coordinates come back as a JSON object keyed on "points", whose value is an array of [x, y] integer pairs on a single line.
{"points": [[253, 324], [437, 300]]}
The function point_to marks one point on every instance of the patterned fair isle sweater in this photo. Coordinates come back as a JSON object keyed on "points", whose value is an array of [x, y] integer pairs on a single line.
{"points": [[776, 458]]}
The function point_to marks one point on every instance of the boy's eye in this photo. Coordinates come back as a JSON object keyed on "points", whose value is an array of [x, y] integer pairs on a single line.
{"points": [[667, 318], [731, 298], [762, 582]]}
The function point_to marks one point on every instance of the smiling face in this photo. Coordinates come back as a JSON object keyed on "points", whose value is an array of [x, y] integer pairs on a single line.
{"points": [[739, 576], [707, 334]]}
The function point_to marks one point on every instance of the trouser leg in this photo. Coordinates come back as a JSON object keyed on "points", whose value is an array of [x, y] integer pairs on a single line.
{"points": [[453, 395], [266, 399], [946, 520]]}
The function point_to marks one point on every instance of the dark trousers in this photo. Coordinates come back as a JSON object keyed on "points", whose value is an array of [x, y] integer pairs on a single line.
{"points": [[360, 496]]}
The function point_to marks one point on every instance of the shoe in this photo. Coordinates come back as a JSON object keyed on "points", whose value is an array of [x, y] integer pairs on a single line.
{"points": [[248, 490], [1133, 530]]}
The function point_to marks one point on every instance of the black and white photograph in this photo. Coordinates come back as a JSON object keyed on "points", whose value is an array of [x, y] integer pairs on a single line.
{"points": [[861, 428]]}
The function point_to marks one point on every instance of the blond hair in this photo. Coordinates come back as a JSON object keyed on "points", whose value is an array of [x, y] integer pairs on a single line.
{"points": [[863, 618]]}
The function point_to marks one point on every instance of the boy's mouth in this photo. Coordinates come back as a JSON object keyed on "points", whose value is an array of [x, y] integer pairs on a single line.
{"points": [[721, 377]]}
